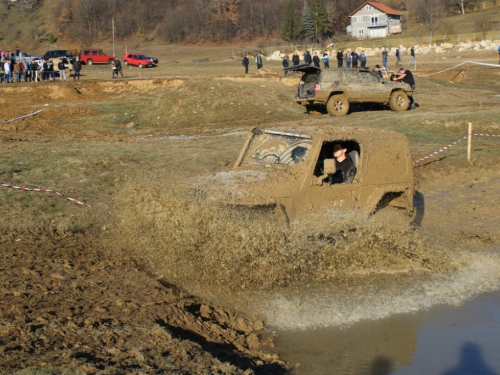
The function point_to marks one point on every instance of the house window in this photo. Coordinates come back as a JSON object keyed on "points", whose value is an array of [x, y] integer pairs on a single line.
{"points": [[374, 21], [360, 19], [369, 7], [361, 31]]}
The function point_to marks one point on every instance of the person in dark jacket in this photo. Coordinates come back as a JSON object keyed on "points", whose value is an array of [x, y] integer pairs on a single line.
{"points": [[340, 58], [246, 62], [286, 62], [406, 76], [119, 70], [296, 58], [345, 169], [355, 58], [307, 58], [316, 60], [77, 66]]}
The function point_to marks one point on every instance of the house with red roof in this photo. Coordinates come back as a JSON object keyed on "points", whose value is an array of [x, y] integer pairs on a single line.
{"points": [[374, 20]]}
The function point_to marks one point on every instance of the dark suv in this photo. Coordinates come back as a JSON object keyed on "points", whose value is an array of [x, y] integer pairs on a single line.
{"points": [[61, 53], [334, 89]]}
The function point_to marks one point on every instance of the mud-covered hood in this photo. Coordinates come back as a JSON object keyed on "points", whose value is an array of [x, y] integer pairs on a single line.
{"points": [[245, 187]]}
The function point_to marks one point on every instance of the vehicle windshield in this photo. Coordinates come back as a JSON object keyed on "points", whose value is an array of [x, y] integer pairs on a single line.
{"points": [[275, 148]]}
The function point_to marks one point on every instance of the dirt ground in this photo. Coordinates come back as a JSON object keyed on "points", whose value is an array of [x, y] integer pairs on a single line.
{"points": [[69, 304]]}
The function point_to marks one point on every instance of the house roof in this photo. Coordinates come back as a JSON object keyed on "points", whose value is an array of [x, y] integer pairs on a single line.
{"points": [[382, 7]]}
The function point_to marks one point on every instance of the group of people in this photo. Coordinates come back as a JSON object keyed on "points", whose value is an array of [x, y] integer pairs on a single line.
{"points": [[351, 58]]}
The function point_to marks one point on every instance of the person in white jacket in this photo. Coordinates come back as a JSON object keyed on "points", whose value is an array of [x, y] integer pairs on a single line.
{"points": [[7, 72]]}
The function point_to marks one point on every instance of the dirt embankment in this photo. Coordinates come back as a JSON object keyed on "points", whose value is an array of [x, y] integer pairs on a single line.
{"points": [[81, 308]]}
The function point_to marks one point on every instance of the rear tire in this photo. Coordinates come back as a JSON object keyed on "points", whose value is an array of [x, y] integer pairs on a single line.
{"points": [[140, 66], [399, 101], [337, 105], [125, 62], [89, 62]]}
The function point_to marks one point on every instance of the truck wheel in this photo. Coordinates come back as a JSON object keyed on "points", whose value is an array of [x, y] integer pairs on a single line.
{"points": [[89, 62], [399, 101], [337, 105]]}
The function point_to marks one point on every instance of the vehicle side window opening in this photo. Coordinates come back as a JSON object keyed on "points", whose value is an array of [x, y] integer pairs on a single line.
{"points": [[94, 53], [327, 153]]}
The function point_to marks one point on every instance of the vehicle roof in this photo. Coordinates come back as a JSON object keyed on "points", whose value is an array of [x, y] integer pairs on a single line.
{"points": [[333, 132]]}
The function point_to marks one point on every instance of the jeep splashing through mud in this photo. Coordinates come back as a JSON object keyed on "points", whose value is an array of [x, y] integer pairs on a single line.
{"points": [[285, 172], [335, 89]]}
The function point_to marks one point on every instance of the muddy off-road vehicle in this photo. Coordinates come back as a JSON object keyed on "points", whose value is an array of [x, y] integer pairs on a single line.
{"points": [[285, 172], [335, 89]]}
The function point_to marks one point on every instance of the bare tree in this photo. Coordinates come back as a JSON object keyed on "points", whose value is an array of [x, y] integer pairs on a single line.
{"points": [[432, 13]]}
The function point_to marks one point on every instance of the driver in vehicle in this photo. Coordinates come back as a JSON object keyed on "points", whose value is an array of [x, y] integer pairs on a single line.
{"points": [[345, 169]]}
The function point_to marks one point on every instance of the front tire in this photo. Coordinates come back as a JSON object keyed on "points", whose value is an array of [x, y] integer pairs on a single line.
{"points": [[89, 62], [140, 66], [337, 105], [399, 101]]}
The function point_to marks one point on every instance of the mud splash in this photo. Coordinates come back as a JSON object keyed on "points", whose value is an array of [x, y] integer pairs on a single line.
{"points": [[193, 243]]}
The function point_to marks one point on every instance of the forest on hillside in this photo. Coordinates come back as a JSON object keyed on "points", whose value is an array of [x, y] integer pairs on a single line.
{"points": [[87, 21]]}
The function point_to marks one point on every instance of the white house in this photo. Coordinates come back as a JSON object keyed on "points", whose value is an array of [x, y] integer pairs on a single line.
{"points": [[374, 20]]}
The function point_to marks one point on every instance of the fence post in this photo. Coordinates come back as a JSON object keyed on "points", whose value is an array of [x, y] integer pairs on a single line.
{"points": [[469, 142]]}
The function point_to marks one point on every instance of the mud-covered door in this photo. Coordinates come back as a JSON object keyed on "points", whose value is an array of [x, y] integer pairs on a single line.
{"points": [[373, 89], [326, 197]]}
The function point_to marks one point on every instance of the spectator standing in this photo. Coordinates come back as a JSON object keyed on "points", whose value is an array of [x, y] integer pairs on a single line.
{"points": [[77, 66], [355, 58], [17, 51], [406, 76], [36, 69], [362, 59], [340, 58], [119, 70], [316, 60], [50, 69], [307, 58], [296, 58], [398, 57], [258, 60], [45, 70], [113, 69], [62, 70], [348, 59], [385, 54], [2, 55], [412, 54], [7, 71], [245, 62], [326, 59], [286, 63], [18, 70]]}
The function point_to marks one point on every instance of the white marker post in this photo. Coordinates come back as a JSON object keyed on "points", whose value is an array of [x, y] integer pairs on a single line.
{"points": [[469, 142]]}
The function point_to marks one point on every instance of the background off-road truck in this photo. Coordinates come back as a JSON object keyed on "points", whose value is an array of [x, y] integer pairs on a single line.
{"points": [[335, 89]]}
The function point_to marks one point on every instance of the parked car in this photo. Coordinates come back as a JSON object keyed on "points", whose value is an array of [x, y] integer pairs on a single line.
{"points": [[335, 89], [27, 56], [59, 53], [95, 56], [139, 60], [285, 172]]}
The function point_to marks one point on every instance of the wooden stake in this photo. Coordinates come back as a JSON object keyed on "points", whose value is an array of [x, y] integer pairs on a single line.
{"points": [[469, 142]]}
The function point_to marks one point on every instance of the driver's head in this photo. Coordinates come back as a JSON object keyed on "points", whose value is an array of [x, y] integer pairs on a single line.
{"points": [[339, 151]]}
